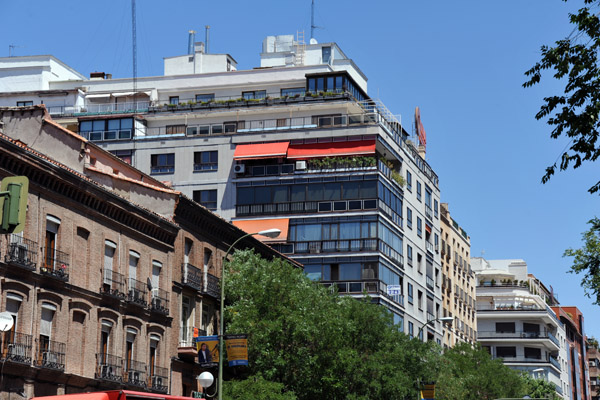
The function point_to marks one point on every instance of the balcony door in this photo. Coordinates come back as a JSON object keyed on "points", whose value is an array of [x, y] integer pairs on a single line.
{"points": [[187, 321], [47, 316], [52, 225]]}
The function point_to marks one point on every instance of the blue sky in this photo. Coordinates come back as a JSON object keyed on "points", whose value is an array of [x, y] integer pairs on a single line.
{"points": [[461, 62]]}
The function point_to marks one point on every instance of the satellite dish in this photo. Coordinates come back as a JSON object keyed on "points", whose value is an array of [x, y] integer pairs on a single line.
{"points": [[6, 321]]}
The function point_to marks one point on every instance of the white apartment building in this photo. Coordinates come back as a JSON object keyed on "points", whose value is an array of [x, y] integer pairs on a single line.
{"points": [[515, 323], [295, 144]]}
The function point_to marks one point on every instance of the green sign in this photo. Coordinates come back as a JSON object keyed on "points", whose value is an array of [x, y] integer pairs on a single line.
{"points": [[13, 203]]}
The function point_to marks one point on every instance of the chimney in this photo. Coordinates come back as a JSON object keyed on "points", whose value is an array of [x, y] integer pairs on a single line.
{"points": [[199, 47], [95, 76], [207, 30], [191, 40]]}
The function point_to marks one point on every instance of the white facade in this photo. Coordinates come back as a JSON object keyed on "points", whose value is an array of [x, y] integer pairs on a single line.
{"points": [[515, 323], [364, 230]]}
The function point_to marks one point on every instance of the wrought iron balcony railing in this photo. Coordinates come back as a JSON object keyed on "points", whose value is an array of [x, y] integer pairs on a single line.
{"points": [[55, 264], [135, 373], [17, 348], [160, 301], [50, 354], [159, 381], [109, 367], [192, 276], [21, 252], [212, 286], [113, 283], [137, 292]]}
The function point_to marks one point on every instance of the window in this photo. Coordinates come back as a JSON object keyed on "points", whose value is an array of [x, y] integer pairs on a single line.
{"points": [[154, 339], [504, 352], [174, 100], [24, 103], [162, 163], [420, 300], [134, 258], [409, 291], [187, 322], [409, 255], [436, 242], [408, 181], [505, 327], [205, 98], [109, 254], [418, 190], [419, 227], [206, 161], [107, 129], [531, 352], [408, 218], [293, 92], [254, 95], [326, 54], [50, 245], [208, 198], [125, 155], [13, 305], [411, 328], [435, 209], [104, 340], [174, 129]]}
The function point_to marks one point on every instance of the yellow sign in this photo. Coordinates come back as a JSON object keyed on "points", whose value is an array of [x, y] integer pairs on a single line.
{"points": [[237, 349], [428, 391]]}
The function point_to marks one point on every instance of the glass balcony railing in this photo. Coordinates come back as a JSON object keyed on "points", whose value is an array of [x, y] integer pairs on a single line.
{"points": [[371, 286]]}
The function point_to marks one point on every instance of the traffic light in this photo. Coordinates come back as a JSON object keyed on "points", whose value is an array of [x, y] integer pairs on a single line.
{"points": [[13, 203]]}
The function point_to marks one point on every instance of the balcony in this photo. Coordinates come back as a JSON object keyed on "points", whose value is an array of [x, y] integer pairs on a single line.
{"points": [[159, 381], [55, 264], [192, 276], [21, 252], [160, 301], [187, 347], [137, 293], [99, 109], [113, 284], [429, 246], [531, 360], [135, 373], [428, 212], [305, 207], [371, 286], [17, 348], [335, 246], [212, 286], [50, 355], [109, 367]]}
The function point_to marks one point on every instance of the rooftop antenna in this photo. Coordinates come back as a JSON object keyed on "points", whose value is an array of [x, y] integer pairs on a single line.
{"points": [[206, 33], [11, 49], [312, 20], [134, 50]]}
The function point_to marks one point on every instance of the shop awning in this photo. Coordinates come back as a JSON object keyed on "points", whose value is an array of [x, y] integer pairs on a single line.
{"points": [[126, 94], [331, 149], [258, 151], [257, 225]]}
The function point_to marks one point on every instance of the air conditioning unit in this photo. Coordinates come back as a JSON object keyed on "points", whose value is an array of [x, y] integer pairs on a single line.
{"points": [[134, 376], [300, 165], [157, 381], [239, 168]]}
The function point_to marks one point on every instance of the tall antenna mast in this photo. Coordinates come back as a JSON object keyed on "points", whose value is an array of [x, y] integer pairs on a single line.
{"points": [[312, 20], [134, 50]]}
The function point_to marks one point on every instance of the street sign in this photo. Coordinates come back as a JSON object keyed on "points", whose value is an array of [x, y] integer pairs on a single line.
{"points": [[394, 290]]}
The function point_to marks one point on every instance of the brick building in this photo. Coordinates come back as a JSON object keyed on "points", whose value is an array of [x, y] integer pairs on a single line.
{"points": [[112, 270]]}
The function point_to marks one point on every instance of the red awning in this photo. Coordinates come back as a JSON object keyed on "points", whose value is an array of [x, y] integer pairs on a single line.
{"points": [[335, 149], [261, 150], [428, 228]]}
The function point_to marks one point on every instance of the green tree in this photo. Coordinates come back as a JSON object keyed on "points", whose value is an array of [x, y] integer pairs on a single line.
{"points": [[586, 260], [316, 343], [469, 373], [256, 388], [540, 388], [574, 113]]}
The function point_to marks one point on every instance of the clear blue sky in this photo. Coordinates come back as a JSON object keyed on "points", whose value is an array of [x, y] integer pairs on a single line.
{"points": [[461, 62]]}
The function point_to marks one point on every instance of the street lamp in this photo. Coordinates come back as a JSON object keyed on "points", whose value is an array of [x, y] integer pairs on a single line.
{"points": [[432, 321], [270, 233]]}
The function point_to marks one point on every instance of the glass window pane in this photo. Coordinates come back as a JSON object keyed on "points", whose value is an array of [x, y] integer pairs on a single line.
{"points": [[262, 195], [320, 84], [99, 125], [350, 230], [331, 191], [368, 189], [126, 123], [298, 193], [312, 85], [313, 272], [330, 83], [315, 191], [245, 195], [350, 190], [280, 194], [350, 271], [114, 124], [85, 126]]}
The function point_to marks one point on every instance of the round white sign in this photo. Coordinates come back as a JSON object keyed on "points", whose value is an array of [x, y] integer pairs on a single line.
{"points": [[6, 321]]}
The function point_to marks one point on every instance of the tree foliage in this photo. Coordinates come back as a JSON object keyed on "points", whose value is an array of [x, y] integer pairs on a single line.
{"points": [[586, 260], [317, 344], [574, 113], [307, 342], [469, 373], [540, 388]]}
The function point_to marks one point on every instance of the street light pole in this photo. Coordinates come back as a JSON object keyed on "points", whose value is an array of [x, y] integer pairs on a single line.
{"points": [[431, 322], [271, 233]]}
